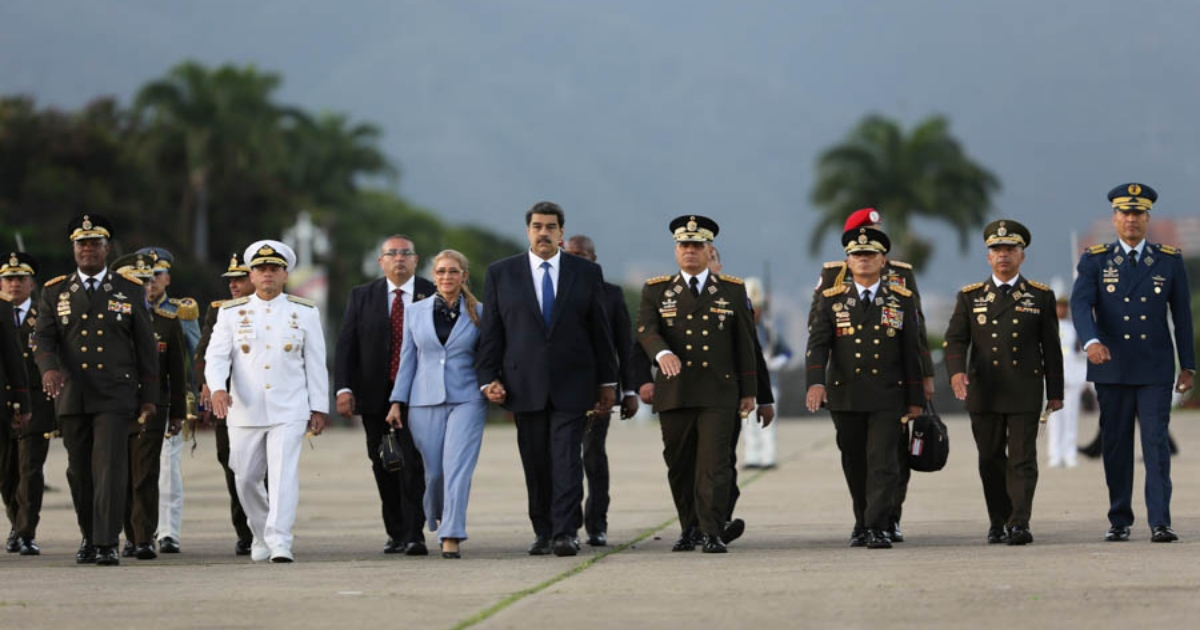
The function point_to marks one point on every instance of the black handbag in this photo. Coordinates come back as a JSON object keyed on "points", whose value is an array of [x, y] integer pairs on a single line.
{"points": [[390, 455], [928, 445]]}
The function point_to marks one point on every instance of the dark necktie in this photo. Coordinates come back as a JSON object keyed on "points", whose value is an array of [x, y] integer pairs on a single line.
{"points": [[1133, 258], [866, 299], [547, 294], [694, 284], [397, 332], [17, 316], [1006, 289], [91, 285]]}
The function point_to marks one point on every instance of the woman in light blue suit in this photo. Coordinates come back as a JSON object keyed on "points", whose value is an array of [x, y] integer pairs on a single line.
{"points": [[446, 409]]}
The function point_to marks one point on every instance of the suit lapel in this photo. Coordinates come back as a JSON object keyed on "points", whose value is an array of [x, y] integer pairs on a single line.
{"points": [[460, 324], [565, 280]]}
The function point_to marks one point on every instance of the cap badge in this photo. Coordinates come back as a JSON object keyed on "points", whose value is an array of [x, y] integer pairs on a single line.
{"points": [[233, 261], [266, 250], [862, 239], [13, 261], [1003, 231], [87, 222], [874, 217], [691, 225], [1134, 189]]}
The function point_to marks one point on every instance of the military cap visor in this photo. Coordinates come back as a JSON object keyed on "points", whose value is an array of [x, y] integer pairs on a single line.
{"points": [[236, 269], [89, 226], [1132, 197], [18, 264], [694, 228], [865, 239], [1006, 232]]}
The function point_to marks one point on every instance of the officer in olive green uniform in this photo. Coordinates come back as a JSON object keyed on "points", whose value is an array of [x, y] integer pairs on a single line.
{"points": [[146, 438], [864, 363], [238, 275], [23, 450], [895, 274], [98, 357], [699, 329], [1010, 326]]}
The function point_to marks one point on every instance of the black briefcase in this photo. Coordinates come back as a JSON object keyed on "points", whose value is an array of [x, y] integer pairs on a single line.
{"points": [[390, 455], [928, 444]]}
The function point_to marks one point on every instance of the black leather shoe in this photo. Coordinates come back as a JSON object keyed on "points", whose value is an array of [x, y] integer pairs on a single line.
{"points": [[876, 539], [242, 548], [417, 548], [1117, 533], [894, 534], [714, 545], [540, 546], [564, 546], [698, 537], [575, 543], [86, 553], [393, 546], [1019, 535], [107, 556], [1160, 534], [128, 550], [29, 547], [145, 552], [13, 544], [858, 537], [733, 530], [168, 545], [997, 535], [599, 539], [686, 541]]}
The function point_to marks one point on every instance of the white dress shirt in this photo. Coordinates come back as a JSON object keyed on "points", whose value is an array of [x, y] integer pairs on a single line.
{"points": [[535, 265], [22, 310], [874, 289], [83, 278], [406, 297], [999, 283]]}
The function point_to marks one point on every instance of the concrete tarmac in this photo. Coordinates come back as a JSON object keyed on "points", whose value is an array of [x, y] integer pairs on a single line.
{"points": [[791, 569]]}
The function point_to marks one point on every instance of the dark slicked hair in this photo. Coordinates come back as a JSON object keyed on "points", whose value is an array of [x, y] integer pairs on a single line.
{"points": [[545, 207]]}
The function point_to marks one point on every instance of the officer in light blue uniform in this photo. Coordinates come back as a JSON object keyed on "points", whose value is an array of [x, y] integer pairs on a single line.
{"points": [[1124, 293]]}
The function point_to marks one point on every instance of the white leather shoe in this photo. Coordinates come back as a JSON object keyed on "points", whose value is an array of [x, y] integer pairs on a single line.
{"points": [[259, 552], [282, 555]]}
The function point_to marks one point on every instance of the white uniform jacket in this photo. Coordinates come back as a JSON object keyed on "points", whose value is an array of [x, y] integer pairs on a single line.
{"points": [[274, 353]]}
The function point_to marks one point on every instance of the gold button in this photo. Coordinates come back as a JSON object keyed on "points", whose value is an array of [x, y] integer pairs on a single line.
{"points": [[704, 317], [689, 346], [877, 356], [1126, 299], [1143, 318], [1014, 335], [994, 335], [83, 348], [99, 348], [1014, 362], [268, 327], [266, 367], [704, 332], [857, 355], [1126, 318], [268, 346], [1016, 321], [268, 386], [689, 316], [704, 364], [995, 349], [84, 366], [857, 370], [26, 355], [995, 323], [1126, 336], [705, 348], [85, 314], [995, 363], [100, 316], [877, 342], [100, 332], [689, 364], [877, 328], [100, 366], [687, 332], [1014, 348], [874, 371], [83, 332], [1143, 299], [1143, 336], [858, 341]]}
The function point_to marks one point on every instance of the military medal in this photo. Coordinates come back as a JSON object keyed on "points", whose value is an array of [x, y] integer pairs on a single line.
{"points": [[712, 290], [982, 319], [891, 332], [245, 348], [107, 287], [287, 347], [837, 307], [1148, 260], [1111, 288]]}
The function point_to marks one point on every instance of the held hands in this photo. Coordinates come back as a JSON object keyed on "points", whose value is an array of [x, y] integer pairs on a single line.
{"points": [[52, 383], [221, 402], [1184, 384], [394, 415], [607, 397], [766, 415], [815, 398], [669, 365], [1098, 354], [629, 407], [345, 404], [646, 393], [316, 423], [959, 383], [495, 392]]}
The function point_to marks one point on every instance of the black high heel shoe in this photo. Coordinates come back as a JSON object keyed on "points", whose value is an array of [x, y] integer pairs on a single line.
{"points": [[451, 555]]}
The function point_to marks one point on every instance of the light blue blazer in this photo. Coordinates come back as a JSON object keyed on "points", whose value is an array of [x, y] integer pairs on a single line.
{"points": [[433, 374]]}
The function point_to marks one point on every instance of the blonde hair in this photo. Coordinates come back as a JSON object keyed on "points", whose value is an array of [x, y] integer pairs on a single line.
{"points": [[459, 258]]}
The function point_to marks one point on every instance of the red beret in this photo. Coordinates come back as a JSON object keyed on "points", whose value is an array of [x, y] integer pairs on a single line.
{"points": [[862, 218]]}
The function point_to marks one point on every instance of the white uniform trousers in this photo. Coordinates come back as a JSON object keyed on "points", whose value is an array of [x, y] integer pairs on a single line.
{"points": [[1064, 428], [170, 489], [270, 452], [449, 437], [760, 442]]}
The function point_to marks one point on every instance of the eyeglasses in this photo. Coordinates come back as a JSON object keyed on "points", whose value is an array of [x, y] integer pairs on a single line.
{"points": [[388, 253]]}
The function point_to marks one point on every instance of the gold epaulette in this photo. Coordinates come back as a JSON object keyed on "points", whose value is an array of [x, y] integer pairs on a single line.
{"points": [[187, 307], [162, 312], [300, 300], [1170, 250], [128, 275], [972, 287], [733, 279], [897, 263], [834, 264], [1097, 249], [835, 290], [657, 280], [241, 300], [901, 290], [1037, 285], [53, 281], [217, 304]]}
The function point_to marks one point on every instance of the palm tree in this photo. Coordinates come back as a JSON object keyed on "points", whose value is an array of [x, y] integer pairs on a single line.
{"points": [[925, 173]]}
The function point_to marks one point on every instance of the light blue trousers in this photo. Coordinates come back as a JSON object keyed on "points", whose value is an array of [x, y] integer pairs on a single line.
{"points": [[449, 437]]}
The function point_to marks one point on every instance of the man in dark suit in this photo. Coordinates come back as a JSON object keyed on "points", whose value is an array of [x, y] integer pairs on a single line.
{"points": [[1009, 325], [864, 363], [23, 445], [1120, 305], [595, 456], [366, 360], [96, 350], [546, 353]]}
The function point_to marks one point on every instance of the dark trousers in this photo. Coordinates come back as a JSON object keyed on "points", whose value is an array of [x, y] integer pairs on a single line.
{"points": [[595, 468], [1150, 406], [696, 448], [402, 493], [21, 480], [867, 441], [550, 442], [141, 502], [98, 471], [905, 473], [1007, 444], [734, 492], [236, 513]]}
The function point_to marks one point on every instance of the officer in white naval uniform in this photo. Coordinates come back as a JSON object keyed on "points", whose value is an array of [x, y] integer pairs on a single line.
{"points": [[271, 347]]}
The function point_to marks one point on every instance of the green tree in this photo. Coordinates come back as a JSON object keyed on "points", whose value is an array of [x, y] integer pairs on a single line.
{"points": [[904, 175]]}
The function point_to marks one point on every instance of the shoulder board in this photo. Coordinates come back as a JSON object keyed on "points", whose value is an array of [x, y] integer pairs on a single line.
{"points": [[217, 304], [161, 312], [130, 277], [300, 300], [1170, 250], [901, 290], [1097, 249], [834, 264], [53, 281], [838, 290], [657, 280], [239, 301], [972, 287], [733, 279], [187, 307], [1037, 285], [900, 264]]}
